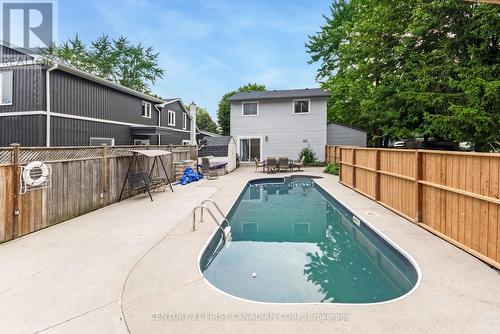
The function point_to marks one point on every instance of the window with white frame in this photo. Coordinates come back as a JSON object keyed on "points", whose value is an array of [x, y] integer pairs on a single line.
{"points": [[184, 121], [97, 141], [301, 106], [171, 117], [250, 108], [141, 142], [6, 83], [146, 109]]}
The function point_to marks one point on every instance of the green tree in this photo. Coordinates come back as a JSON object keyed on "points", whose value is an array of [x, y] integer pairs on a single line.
{"points": [[451, 73], [224, 108], [204, 121], [412, 68], [119, 61]]}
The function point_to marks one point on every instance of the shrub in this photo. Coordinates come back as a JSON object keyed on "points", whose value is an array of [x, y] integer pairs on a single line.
{"points": [[315, 164], [332, 168], [308, 154]]}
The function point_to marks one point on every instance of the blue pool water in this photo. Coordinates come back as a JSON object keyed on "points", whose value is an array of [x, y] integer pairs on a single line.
{"points": [[303, 247]]}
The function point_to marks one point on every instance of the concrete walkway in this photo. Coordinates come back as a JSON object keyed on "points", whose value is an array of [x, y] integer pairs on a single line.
{"points": [[114, 269], [68, 278]]}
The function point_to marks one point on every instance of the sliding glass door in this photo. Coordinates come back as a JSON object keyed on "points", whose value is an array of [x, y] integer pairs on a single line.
{"points": [[249, 149]]}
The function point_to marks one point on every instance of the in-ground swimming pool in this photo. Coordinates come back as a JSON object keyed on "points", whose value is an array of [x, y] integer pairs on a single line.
{"points": [[292, 242]]}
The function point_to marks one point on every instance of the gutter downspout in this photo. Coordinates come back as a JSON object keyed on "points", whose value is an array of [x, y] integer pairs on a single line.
{"points": [[47, 104], [159, 118]]}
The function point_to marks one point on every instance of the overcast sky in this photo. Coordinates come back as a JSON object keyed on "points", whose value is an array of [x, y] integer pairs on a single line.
{"points": [[208, 48]]}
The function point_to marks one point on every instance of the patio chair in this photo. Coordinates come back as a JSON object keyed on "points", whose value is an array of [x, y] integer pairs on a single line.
{"points": [[283, 164], [272, 165], [258, 164], [205, 169], [299, 164]]}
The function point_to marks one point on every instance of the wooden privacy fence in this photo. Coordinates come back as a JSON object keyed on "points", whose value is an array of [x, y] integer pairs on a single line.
{"points": [[455, 195], [332, 153], [83, 179]]}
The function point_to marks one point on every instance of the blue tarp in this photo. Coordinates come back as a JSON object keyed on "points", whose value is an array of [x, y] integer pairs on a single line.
{"points": [[190, 175]]}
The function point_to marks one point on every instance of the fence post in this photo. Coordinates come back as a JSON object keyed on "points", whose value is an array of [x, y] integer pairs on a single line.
{"points": [[377, 174], [15, 191], [105, 180], [418, 187], [193, 154], [353, 167], [174, 159], [340, 164]]}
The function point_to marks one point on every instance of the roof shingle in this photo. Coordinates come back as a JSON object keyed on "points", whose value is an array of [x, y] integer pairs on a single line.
{"points": [[279, 94]]}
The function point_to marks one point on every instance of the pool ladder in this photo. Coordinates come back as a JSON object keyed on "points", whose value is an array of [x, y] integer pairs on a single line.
{"points": [[226, 231]]}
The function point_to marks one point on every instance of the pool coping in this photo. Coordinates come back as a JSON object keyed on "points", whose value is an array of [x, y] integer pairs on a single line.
{"points": [[373, 228]]}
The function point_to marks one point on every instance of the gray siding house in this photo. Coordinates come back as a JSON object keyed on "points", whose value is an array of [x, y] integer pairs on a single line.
{"points": [[44, 103], [279, 123], [343, 134]]}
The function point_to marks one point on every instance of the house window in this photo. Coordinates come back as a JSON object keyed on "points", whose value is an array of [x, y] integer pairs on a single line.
{"points": [[96, 141], [301, 106], [171, 117], [6, 83], [141, 142], [184, 121], [250, 108], [146, 109]]}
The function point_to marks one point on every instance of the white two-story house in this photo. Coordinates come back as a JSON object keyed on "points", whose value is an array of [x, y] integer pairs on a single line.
{"points": [[279, 123]]}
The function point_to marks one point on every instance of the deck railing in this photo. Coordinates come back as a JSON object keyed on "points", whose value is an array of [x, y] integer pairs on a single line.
{"points": [[455, 195]]}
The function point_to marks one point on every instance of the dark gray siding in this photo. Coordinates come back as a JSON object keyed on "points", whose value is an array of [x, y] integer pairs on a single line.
{"points": [[82, 97], [175, 138], [25, 130], [178, 116], [9, 55], [74, 132], [28, 92]]}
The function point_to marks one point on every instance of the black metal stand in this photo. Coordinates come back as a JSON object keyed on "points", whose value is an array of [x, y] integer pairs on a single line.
{"points": [[167, 182], [142, 181]]}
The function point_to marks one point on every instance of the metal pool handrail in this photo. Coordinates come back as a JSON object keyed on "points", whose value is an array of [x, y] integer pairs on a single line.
{"points": [[216, 206], [202, 207]]}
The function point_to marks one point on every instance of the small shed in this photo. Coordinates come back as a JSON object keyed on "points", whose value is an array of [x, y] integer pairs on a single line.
{"points": [[202, 134], [220, 149], [343, 134]]}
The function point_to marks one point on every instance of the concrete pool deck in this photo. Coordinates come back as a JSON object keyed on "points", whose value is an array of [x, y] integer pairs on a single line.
{"points": [[165, 292], [131, 265]]}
